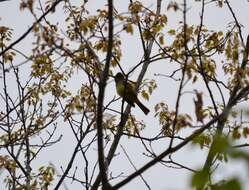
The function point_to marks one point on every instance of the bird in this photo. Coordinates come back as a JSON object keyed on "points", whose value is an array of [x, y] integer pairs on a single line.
{"points": [[126, 89]]}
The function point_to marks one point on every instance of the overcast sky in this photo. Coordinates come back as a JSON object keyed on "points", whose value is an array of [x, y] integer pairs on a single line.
{"points": [[158, 177]]}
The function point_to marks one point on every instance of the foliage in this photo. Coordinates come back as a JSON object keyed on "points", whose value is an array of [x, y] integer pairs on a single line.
{"points": [[58, 85]]}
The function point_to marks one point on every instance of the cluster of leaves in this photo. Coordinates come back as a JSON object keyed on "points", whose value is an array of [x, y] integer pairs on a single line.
{"points": [[166, 119], [201, 179]]}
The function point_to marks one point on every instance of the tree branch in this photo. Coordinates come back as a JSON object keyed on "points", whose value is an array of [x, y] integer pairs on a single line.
{"points": [[102, 85], [30, 28]]}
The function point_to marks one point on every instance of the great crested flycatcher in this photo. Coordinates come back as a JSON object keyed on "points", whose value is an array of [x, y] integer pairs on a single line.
{"points": [[126, 89]]}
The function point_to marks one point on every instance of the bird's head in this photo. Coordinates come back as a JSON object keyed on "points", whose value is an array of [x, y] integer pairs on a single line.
{"points": [[119, 77]]}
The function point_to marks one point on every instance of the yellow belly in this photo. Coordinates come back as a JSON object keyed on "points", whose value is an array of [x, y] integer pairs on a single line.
{"points": [[128, 91]]}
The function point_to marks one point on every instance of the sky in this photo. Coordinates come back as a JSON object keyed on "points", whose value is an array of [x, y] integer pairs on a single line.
{"points": [[158, 177]]}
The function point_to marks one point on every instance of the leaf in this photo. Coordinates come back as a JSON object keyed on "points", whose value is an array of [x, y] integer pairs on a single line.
{"points": [[202, 140], [128, 28], [145, 95], [135, 7], [172, 32], [236, 134], [198, 106], [245, 132], [161, 40], [220, 3], [232, 184], [220, 145], [147, 34], [173, 5], [199, 179]]}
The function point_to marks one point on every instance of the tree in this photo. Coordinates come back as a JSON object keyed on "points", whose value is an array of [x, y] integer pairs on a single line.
{"points": [[64, 83]]}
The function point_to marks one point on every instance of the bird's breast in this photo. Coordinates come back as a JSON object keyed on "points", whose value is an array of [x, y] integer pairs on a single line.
{"points": [[120, 89]]}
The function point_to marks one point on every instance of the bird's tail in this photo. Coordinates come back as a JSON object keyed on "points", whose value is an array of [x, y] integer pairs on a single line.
{"points": [[142, 107]]}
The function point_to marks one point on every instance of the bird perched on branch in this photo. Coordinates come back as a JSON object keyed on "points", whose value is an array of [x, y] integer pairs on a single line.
{"points": [[126, 89]]}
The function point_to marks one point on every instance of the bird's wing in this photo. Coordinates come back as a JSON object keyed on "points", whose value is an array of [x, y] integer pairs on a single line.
{"points": [[133, 85]]}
